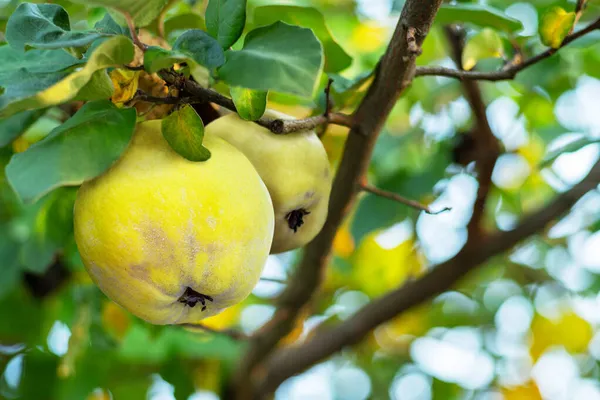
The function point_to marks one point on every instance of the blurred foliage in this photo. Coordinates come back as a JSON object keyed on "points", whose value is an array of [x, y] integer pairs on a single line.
{"points": [[61, 338]]}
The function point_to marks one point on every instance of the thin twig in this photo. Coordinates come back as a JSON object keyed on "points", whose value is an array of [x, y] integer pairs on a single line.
{"points": [[579, 8], [279, 126], [328, 99], [141, 96], [274, 280], [401, 199], [234, 334], [134, 35], [512, 70], [134, 67], [328, 106]]}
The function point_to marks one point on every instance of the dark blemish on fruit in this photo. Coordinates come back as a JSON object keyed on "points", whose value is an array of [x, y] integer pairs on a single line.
{"points": [[295, 218], [190, 298]]}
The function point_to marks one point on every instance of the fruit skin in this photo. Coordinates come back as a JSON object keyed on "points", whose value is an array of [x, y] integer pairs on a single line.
{"points": [[155, 224], [295, 169]]}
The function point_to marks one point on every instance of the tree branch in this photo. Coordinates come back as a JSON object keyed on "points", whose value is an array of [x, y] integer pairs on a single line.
{"points": [[279, 126], [511, 70], [394, 73], [487, 148], [401, 199], [293, 360], [141, 96]]}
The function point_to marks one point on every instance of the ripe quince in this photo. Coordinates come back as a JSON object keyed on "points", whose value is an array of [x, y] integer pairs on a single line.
{"points": [[296, 170], [170, 240]]}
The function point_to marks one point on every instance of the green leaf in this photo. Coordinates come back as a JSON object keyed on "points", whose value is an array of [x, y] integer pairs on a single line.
{"points": [[485, 44], [345, 91], [15, 64], [278, 57], [10, 270], [143, 12], [555, 25], [109, 26], [28, 91], [477, 14], [80, 149], [193, 46], [183, 22], [250, 104], [184, 131], [202, 48], [336, 59], [99, 87], [52, 227], [157, 58], [14, 126], [44, 26], [225, 20]]}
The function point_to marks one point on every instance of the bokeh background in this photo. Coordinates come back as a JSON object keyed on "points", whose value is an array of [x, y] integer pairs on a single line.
{"points": [[523, 326]]}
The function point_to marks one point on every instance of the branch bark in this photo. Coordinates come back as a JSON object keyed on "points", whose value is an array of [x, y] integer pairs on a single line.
{"points": [[294, 360], [510, 71], [395, 71], [200, 94]]}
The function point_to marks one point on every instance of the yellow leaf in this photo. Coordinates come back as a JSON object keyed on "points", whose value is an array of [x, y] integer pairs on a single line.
{"points": [[298, 328], [125, 83], [99, 394], [568, 330], [206, 375], [368, 37], [343, 243], [20, 144], [226, 319], [116, 321], [527, 391], [534, 151], [380, 264], [485, 44], [555, 25], [397, 334]]}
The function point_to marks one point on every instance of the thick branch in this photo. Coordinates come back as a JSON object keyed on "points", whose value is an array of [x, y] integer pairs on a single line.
{"points": [[395, 71], [510, 71], [487, 148], [294, 360], [401, 199], [201, 94]]}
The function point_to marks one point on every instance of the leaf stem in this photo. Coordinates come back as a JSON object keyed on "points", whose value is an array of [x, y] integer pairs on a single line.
{"points": [[134, 35]]}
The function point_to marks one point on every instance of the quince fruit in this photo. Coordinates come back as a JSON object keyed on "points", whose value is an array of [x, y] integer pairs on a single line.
{"points": [[295, 169], [170, 240]]}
